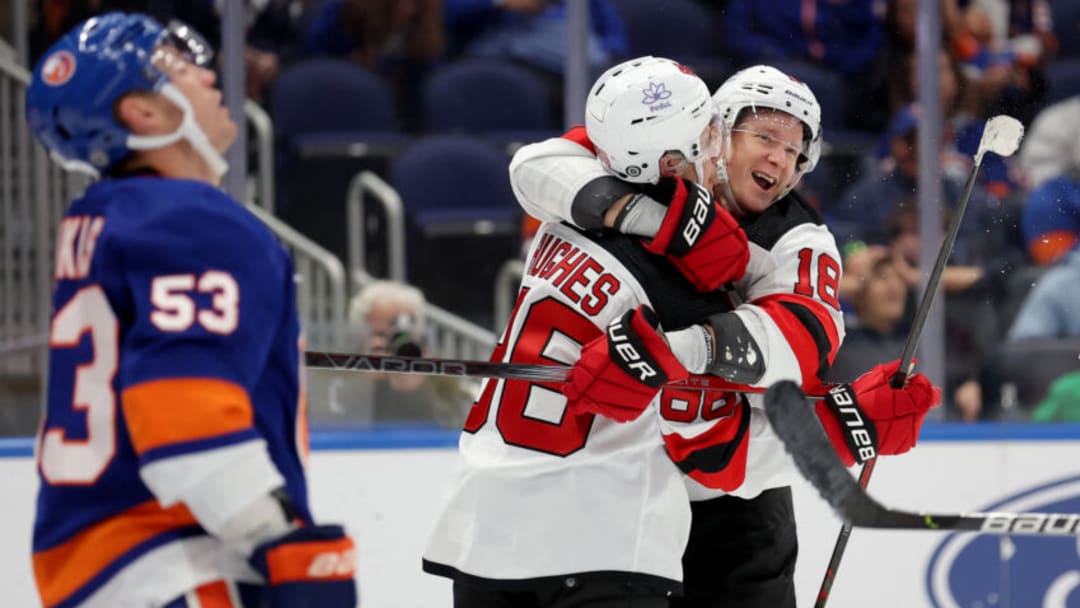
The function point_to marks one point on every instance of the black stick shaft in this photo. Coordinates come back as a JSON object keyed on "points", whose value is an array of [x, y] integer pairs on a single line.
{"points": [[841, 543], [533, 372], [898, 379], [817, 460], [935, 279]]}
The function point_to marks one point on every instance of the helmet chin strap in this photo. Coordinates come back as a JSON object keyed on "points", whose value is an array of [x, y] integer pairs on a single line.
{"points": [[699, 169], [722, 175], [189, 130]]}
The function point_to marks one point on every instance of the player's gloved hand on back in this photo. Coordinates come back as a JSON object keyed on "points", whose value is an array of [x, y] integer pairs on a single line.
{"points": [[869, 417], [698, 235], [620, 373], [310, 567]]}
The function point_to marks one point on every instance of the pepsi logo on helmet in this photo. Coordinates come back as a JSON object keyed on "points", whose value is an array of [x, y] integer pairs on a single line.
{"points": [[58, 68]]}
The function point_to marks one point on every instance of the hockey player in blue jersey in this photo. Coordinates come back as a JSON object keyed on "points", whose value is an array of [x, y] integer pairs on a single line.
{"points": [[171, 454]]}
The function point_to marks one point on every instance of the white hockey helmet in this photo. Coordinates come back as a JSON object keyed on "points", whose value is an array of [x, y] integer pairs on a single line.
{"points": [[643, 108], [763, 86]]}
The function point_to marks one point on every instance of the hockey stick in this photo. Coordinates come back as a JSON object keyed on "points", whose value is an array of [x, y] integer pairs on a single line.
{"points": [[814, 455], [533, 372], [1001, 135]]}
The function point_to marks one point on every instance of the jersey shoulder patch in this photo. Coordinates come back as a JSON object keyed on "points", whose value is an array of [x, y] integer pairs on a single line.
{"points": [[766, 228]]}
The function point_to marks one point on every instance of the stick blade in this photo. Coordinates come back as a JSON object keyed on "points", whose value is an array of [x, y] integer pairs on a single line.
{"points": [[1002, 135], [794, 421]]}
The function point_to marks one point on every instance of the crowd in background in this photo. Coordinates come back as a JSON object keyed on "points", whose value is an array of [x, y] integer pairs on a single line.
{"points": [[1014, 278]]}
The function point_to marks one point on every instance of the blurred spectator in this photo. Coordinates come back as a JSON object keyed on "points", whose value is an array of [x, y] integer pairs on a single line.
{"points": [[971, 320], [876, 332], [398, 39], [891, 80], [1051, 146], [388, 318], [56, 17], [532, 33], [1050, 160], [1062, 403], [1049, 321], [272, 37], [865, 210], [880, 209], [904, 85], [273, 41], [1051, 219], [1052, 308], [843, 36], [1002, 45], [370, 32]]}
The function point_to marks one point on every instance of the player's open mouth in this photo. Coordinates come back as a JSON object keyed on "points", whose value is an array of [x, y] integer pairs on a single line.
{"points": [[765, 182]]}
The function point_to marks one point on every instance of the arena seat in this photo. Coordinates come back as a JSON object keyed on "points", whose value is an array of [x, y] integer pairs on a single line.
{"points": [[503, 101], [463, 221], [332, 119]]}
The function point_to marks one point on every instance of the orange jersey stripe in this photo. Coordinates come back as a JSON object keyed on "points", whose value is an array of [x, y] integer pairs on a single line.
{"points": [[1046, 248], [165, 412], [215, 595], [62, 570]]}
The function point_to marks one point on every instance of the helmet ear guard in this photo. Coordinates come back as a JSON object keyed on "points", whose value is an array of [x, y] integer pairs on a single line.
{"points": [[641, 109]]}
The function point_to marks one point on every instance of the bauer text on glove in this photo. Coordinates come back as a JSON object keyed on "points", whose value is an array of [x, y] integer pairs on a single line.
{"points": [[869, 417], [620, 373]]}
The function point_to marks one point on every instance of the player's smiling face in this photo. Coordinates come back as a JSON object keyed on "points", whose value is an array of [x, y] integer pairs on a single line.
{"points": [[765, 149], [197, 85]]}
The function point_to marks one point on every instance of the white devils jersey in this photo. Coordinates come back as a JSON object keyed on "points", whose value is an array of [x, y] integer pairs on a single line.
{"points": [[542, 491], [787, 304]]}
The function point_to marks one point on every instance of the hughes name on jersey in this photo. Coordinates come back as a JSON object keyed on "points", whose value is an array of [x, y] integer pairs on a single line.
{"points": [[173, 358], [783, 322], [545, 492]]}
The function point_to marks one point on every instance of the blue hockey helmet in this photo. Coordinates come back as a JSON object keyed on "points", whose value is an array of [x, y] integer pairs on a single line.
{"points": [[70, 104]]}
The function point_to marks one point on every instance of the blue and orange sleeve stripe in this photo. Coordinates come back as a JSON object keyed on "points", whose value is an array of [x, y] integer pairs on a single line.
{"points": [[177, 415], [64, 570]]}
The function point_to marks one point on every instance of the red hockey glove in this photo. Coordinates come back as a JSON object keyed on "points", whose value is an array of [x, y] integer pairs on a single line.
{"points": [[699, 236], [869, 417], [308, 568], [619, 373]]}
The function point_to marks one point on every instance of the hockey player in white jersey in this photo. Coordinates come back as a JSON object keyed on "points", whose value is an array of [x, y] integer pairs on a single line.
{"points": [[785, 324], [555, 505]]}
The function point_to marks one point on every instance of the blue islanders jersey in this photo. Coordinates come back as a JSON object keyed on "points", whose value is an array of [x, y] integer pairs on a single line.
{"points": [[174, 345]]}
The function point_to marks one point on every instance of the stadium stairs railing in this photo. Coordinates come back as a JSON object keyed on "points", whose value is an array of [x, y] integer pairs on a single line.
{"points": [[451, 336]]}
